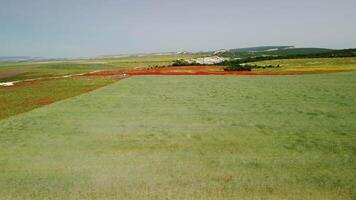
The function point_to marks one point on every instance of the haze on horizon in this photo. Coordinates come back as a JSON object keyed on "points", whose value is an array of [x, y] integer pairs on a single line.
{"points": [[74, 28]]}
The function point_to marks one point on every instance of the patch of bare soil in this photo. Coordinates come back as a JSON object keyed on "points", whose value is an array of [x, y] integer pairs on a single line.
{"points": [[9, 74]]}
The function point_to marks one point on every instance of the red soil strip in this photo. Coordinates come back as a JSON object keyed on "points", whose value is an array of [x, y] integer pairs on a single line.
{"points": [[40, 102], [185, 70], [198, 70]]}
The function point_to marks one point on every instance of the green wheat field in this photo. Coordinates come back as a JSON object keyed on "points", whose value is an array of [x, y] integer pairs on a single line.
{"points": [[187, 137]]}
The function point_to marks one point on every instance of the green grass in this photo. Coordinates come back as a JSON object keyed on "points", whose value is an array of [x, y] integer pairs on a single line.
{"points": [[22, 99], [188, 137], [19, 99], [314, 64]]}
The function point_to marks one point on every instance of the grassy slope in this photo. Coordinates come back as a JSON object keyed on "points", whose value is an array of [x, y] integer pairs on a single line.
{"points": [[314, 64], [15, 100], [201, 137]]}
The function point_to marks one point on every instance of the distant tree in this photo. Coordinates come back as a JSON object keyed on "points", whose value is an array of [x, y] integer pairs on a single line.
{"points": [[181, 62], [238, 68]]}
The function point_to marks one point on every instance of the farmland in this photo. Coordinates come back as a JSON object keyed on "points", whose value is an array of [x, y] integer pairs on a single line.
{"points": [[39, 69], [51, 86], [28, 96], [188, 137], [177, 100], [313, 65], [285, 67]]}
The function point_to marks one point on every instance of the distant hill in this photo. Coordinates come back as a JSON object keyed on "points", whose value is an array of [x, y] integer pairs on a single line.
{"points": [[13, 58], [298, 51], [272, 51], [18, 58], [260, 49]]}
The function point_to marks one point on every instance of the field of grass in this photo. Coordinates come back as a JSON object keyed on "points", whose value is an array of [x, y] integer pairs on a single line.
{"points": [[30, 70], [311, 65], [20, 99], [193, 137]]}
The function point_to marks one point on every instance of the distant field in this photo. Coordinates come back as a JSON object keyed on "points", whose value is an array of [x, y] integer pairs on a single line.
{"points": [[193, 137], [136, 62], [20, 99], [285, 67], [317, 65], [17, 98], [29, 70]]}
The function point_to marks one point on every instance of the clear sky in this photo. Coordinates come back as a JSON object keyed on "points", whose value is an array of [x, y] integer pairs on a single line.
{"points": [[73, 28]]}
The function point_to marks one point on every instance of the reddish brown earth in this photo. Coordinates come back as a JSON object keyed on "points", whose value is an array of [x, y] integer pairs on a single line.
{"points": [[199, 70], [185, 70], [40, 102]]}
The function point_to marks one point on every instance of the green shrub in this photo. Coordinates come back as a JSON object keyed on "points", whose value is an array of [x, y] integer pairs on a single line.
{"points": [[180, 62], [156, 66], [247, 67]]}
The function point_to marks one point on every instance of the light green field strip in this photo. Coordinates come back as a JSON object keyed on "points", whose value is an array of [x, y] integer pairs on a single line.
{"points": [[188, 137], [314, 64]]}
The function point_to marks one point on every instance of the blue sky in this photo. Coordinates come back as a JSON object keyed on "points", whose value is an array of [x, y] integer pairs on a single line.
{"points": [[74, 28]]}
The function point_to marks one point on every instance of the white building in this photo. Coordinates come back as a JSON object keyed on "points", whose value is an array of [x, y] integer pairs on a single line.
{"points": [[208, 60]]}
